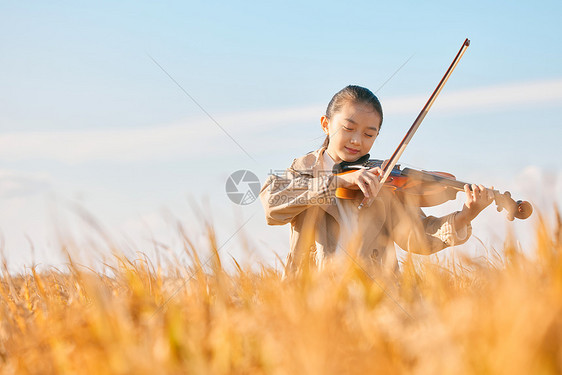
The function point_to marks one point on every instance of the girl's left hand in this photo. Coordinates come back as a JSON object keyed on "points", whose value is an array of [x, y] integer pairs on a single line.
{"points": [[477, 199]]}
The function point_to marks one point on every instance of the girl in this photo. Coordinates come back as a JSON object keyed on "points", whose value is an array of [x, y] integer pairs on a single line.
{"points": [[322, 225]]}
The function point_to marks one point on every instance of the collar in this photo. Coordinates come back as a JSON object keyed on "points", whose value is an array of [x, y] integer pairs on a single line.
{"points": [[309, 163]]}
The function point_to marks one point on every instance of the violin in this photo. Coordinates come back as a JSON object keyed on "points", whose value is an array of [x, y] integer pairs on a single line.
{"points": [[422, 188], [425, 188]]}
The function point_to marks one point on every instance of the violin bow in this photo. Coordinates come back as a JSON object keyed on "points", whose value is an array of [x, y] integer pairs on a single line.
{"points": [[387, 169]]}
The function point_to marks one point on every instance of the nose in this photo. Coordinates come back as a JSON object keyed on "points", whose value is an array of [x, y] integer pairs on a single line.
{"points": [[354, 140]]}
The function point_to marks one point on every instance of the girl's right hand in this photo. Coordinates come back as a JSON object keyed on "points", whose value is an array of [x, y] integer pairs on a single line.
{"points": [[367, 180]]}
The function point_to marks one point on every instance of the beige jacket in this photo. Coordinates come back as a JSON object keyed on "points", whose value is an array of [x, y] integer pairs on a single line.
{"points": [[305, 197]]}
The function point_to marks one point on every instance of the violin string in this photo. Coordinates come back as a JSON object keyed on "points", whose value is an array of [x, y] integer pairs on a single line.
{"points": [[402, 164]]}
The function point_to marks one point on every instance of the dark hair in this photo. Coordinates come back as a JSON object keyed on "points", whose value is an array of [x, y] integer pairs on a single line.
{"points": [[351, 93]]}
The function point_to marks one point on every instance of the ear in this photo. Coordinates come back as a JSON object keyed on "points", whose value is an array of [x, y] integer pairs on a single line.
{"points": [[325, 124]]}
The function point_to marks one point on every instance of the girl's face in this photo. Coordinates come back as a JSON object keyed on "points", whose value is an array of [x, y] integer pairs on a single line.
{"points": [[352, 131]]}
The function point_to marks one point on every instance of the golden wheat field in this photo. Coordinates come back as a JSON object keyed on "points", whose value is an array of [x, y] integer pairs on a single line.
{"points": [[498, 315]]}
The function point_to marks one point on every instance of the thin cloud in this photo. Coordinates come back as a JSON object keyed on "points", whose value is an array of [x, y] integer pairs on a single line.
{"points": [[189, 138], [497, 97], [20, 184], [195, 137]]}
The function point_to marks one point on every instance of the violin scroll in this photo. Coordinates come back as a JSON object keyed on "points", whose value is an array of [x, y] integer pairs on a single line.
{"points": [[515, 209]]}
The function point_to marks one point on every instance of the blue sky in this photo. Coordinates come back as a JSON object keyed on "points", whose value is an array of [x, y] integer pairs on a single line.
{"points": [[87, 117]]}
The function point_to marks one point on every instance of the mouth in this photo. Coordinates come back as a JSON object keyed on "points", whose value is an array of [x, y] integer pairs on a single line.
{"points": [[351, 150]]}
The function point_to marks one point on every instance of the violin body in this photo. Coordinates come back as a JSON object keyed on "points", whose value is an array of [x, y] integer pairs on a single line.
{"points": [[424, 188]]}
